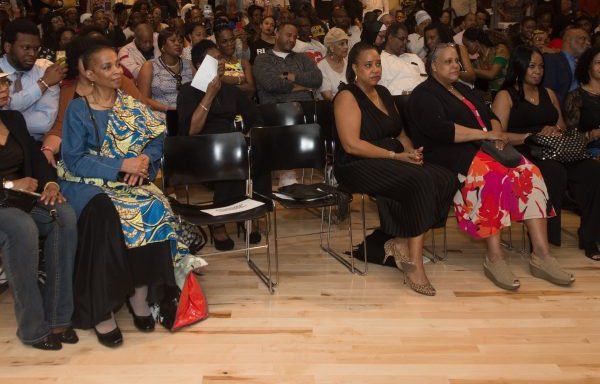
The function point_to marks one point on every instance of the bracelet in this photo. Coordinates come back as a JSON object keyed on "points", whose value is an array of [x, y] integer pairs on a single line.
{"points": [[41, 81], [52, 182], [203, 107], [46, 148], [392, 155]]}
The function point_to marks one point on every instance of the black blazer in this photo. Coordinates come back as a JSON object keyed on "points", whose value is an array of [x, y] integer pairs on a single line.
{"points": [[35, 163], [433, 111], [557, 75]]}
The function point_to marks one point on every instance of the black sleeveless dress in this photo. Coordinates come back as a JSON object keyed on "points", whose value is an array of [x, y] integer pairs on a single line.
{"points": [[410, 198], [580, 178]]}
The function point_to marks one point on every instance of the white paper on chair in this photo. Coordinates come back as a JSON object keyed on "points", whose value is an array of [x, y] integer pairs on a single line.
{"points": [[242, 206], [206, 73]]}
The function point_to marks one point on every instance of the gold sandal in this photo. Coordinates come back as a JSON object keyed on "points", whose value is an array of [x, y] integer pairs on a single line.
{"points": [[500, 274], [549, 270]]}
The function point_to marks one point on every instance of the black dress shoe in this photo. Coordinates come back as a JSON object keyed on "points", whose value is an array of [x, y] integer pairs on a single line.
{"points": [[111, 339], [68, 336], [48, 343], [142, 323], [255, 236]]}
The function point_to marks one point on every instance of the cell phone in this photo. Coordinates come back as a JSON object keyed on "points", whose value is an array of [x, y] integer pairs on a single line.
{"points": [[61, 58], [207, 10]]}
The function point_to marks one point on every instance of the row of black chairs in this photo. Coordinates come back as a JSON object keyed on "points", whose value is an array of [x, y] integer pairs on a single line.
{"points": [[201, 159]]}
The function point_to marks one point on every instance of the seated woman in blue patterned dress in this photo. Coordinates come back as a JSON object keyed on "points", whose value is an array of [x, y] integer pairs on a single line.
{"points": [[128, 241]]}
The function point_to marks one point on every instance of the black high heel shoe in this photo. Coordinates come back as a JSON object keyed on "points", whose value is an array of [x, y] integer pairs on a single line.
{"points": [[220, 245], [111, 339], [142, 323], [255, 236]]}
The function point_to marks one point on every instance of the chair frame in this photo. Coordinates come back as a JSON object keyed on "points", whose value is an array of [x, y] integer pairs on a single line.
{"points": [[265, 276]]}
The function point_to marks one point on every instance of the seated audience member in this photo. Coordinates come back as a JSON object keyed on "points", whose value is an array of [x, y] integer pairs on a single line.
{"points": [[523, 32], [400, 16], [112, 33], [386, 19], [582, 105], [35, 88], [306, 44], [436, 35], [540, 39], [71, 18], [76, 85], [318, 29], [446, 18], [450, 121], [401, 71], [52, 22], [482, 19], [282, 75], [144, 47], [490, 65], [135, 19], [341, 20], [237, 71], [255, 19], [161, 78], [157, 19], [333, 67], [265, 40], [525, 108], [511, 11], [469, 21], [43, 318], [559, 68], [65, 36], [416, 40], [194, 33], [374, 33], [112, 145], [215, 111], [377, 157]]}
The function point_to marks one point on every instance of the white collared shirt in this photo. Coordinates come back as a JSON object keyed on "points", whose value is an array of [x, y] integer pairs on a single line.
{"points": [[401, 74]]}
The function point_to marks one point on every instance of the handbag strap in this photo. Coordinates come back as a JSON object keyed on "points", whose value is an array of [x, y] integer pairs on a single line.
{"points": [[475, 113], [93, 118]]}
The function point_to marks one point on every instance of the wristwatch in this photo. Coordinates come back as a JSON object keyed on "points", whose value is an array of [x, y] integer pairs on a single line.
{"points": [[8, 184]]}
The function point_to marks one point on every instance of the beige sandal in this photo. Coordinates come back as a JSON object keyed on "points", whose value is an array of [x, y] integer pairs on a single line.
{"points": [[549, 270], [501, 275]]}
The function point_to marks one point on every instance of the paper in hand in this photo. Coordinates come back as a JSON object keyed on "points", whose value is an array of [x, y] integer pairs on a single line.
{"points": [[206, 73]]}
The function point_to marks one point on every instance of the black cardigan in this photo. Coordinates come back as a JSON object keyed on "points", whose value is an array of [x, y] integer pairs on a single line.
{"points": [[433, 111], [35, 163]]}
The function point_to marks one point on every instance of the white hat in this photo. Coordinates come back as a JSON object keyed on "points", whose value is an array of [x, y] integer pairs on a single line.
{"points": [[422, 16], [84, 17]]}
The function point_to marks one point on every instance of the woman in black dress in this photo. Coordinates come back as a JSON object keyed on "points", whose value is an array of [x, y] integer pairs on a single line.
{"points": [[582, 105], [524, 108], [376, 157]]}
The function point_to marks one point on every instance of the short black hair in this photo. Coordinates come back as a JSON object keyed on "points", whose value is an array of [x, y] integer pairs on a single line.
{"points": [[582, 71], [199, 51], [95, 47], [24, 26], [393, 30], [167, 33], [253, 8], [220, 28], [190, 26]]}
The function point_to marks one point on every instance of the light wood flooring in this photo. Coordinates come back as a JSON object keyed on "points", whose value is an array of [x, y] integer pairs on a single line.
{"points": [[324, 325]]}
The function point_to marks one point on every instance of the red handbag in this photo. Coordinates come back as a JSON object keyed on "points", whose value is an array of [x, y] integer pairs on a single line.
{"points": [[192, 304]]}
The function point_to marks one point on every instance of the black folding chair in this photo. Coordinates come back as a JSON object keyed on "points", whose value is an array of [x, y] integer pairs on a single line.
{"points": [[190, 160], [281, 114], [291, 147]]}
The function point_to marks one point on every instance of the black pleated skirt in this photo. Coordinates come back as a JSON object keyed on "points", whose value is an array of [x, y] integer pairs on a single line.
{"points": [[411, 198], [106, 272]]}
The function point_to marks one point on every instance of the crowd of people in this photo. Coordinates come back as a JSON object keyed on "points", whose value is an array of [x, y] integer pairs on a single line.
{"points": [[84, 94]]}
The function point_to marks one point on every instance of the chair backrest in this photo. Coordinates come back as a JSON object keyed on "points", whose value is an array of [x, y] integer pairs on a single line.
{"points": [[172, 119], [198, 159], [287, 147], [320, 112], [282, 114]]}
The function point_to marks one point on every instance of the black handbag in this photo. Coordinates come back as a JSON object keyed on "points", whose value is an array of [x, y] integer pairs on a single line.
{"points": [[508, 156], [25, 201], [568, 147]]}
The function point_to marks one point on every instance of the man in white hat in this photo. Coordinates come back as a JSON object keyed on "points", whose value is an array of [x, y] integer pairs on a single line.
{"points": [[416, 41]]}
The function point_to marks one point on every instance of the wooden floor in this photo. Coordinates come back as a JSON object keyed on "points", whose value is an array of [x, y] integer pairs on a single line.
{"points": [[324, 325]]}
